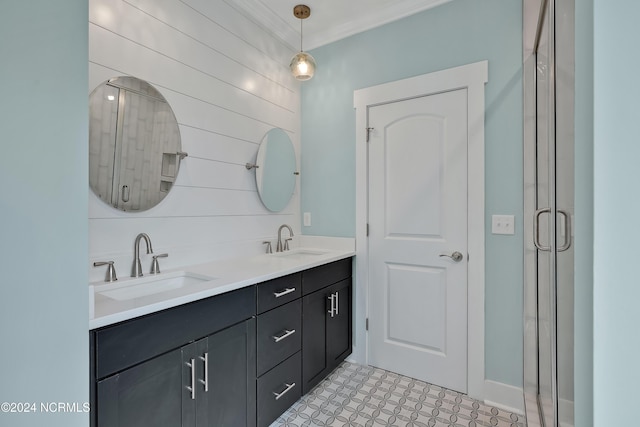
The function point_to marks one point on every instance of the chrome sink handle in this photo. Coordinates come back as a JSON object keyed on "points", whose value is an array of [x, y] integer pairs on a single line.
{"points": [[456, 256], [155, 266], [111, 271]]}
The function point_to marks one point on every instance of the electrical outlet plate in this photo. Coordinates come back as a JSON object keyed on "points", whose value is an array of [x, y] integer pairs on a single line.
{"points": [[503, 224]]}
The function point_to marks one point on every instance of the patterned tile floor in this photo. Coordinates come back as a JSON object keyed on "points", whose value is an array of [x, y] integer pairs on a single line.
{"points": [[363, 396]]}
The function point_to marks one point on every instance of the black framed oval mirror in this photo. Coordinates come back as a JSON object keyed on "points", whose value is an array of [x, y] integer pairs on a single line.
{"points": [[134, 144], [276, 170]]}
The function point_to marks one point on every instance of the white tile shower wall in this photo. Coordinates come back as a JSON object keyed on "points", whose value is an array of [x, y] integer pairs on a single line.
{"points": [[228, 83]]}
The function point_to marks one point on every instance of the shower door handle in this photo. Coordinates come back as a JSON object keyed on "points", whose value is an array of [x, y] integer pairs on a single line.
{"points": [[567, 231], [536, 229]]}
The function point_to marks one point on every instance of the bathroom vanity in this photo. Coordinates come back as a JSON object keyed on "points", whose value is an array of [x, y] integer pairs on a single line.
{"points": [[238, 353]]}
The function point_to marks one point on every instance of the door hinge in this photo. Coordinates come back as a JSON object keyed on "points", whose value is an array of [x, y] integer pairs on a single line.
{"points": [[367, 229], [367, 324], [368, 133]]}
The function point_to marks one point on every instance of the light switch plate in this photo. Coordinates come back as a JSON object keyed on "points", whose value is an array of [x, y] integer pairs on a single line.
{"points": [[503, 224], [306, 219]]}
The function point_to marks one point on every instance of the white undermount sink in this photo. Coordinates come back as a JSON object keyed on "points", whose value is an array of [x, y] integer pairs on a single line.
{"points": [[300, 253], [150, 285]]}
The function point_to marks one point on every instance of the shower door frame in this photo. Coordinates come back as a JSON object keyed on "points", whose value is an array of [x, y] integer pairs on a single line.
{"points": [[535, 12]]}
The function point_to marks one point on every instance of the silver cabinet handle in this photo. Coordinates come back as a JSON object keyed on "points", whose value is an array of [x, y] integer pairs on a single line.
{"points": [[287, 333], [192, 388], [456, 256], [283, 293], [337, 305], [205, 359], [567, 237], [331, 298], [285, 391], [536, 229]]}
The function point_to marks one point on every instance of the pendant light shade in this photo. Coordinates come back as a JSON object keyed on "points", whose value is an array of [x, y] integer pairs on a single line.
{"points": [[302, 65]]}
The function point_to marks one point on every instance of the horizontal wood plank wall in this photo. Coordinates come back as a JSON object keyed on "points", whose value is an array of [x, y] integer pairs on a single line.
{"points": [[228, 83]]}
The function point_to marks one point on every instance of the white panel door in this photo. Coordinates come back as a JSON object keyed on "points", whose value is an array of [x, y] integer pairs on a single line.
{"points": [[418, 238]]}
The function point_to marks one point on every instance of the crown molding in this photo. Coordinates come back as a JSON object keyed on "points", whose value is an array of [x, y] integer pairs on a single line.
{"points": [[398, 10], [261, 14]]}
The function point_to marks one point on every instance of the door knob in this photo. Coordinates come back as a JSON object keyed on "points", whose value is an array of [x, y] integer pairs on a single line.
{"points": [[456, 256]]}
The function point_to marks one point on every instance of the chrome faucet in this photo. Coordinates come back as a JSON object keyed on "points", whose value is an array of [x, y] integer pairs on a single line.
{"points": [[136, 269], [279, 247]]}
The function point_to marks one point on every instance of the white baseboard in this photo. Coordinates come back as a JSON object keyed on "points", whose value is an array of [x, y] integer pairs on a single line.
{"points": [[565, 408], [504, 396]]}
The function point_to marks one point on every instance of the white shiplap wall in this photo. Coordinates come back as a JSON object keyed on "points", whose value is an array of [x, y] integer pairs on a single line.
{"points": [[228, 83]]}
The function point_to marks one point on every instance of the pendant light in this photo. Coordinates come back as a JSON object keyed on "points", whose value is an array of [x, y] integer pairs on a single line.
{"points": [[302, 64]]}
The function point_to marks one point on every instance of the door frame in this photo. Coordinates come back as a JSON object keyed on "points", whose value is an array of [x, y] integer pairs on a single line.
{"points": [[471, 77]]}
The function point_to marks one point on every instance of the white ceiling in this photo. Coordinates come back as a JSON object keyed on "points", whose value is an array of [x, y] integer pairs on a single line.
{"points": [[330, 20]]}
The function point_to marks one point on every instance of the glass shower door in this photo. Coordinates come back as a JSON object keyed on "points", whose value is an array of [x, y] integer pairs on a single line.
{"points": [[552, 213], [544, 226], [564, 192]]}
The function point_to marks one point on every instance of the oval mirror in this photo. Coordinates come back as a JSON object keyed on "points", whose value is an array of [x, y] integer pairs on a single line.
{"points": [[276, 170], [134, 144]]}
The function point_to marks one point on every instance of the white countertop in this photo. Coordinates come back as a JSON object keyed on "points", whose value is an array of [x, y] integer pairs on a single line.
{"points": [[228, 275]]}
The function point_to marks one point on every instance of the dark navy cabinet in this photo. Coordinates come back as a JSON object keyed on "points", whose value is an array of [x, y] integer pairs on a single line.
{"points": [[237, 359], [210, 382], [326, 321], [192, 365]]}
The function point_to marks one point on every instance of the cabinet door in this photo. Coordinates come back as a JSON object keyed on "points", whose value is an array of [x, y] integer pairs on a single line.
{"points": [[228, 363], [314, 328], [339, 325], [150, 394], [326, 337]]}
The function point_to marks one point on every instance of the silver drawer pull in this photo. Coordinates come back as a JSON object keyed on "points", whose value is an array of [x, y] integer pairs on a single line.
{"points": [[287, 333], [285, 391], [283, 293]]}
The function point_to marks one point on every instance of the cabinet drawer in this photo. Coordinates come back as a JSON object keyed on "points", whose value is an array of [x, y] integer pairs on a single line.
{"points": [[278, 389], [322, 276], [278, 291], [279, 335]]}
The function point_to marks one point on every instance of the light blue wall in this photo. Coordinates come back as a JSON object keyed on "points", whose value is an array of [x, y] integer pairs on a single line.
{"points": [[43, 207], [457, 33], [616, 292], [583, 285]]}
